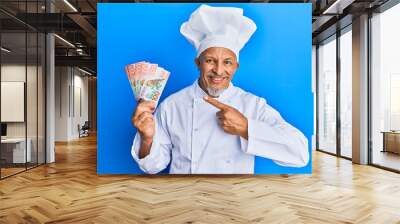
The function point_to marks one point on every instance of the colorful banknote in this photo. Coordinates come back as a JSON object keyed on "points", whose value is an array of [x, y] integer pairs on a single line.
{"points": [[147, 80], [154, 86]]}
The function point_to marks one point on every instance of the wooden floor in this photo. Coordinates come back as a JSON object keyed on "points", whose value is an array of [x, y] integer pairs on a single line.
{"points": [[5, 172], [70, 191], [387, 159]]}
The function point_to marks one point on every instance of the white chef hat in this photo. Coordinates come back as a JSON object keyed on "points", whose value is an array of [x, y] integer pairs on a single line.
{"points": [[218, 27]]}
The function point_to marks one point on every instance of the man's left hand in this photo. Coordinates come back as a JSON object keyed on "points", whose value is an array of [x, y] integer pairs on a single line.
{"points": [[230, 119]]}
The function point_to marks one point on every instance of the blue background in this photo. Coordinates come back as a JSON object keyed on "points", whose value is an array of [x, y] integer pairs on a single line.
{"points": [[274, 64]]}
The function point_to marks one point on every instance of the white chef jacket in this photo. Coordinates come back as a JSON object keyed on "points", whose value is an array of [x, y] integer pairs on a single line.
{"points": [[188, 135]]}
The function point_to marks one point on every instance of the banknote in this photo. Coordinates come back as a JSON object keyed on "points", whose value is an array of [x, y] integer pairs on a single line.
{"points": [[147, 80], [132, 71], [137, 74], [154, 86]]}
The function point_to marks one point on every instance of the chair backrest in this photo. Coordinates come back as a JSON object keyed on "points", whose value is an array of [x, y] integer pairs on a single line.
{"points": [[86, 125]]}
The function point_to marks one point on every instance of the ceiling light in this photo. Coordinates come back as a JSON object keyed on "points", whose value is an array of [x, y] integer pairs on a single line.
{"points": [[70, 5], [5, 50], [65, 41], [84, 71], [337, 7]]}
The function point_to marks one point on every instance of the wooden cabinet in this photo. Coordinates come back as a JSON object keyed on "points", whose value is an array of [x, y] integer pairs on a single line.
{"points": [[391, 141]]}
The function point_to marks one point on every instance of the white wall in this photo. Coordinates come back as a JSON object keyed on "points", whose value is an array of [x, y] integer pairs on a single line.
{"points": [[12, 73], [71, 93], [61, 103], [33, 127], [79, 110]]}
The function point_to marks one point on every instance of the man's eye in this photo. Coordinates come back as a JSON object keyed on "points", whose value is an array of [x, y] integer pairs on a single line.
{"points": [[209, 60], [228, 62]]}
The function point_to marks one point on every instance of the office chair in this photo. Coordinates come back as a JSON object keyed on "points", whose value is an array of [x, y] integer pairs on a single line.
{"points": [[84, 130]]}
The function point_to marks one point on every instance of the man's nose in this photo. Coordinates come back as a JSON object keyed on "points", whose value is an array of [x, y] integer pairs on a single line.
{"points": [[219, 68]]}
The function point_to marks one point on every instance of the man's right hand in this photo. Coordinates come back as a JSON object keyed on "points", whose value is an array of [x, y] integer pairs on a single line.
{"points": [[143, 120]]}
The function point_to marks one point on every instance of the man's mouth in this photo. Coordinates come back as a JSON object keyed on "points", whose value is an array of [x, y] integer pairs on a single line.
{"points": [[217, 79]]}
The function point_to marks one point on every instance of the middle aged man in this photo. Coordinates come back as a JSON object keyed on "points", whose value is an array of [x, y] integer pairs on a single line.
{"points": [[212, 126]]}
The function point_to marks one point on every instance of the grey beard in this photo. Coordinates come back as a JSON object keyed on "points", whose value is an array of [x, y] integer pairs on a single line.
{"points": [[214, 92]]}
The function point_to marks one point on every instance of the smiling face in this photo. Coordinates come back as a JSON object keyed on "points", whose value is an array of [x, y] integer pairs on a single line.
{"points": [[217, 66]]}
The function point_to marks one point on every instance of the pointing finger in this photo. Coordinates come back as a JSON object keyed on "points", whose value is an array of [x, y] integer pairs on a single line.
{"points": [[216, 103]]}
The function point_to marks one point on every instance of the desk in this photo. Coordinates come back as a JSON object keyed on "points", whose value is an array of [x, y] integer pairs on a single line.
{"points": [[391, 141], [15, 148]]}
